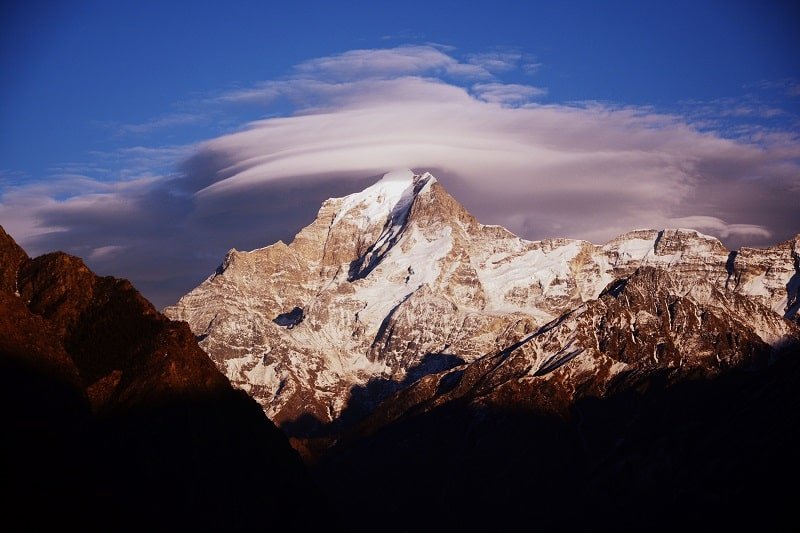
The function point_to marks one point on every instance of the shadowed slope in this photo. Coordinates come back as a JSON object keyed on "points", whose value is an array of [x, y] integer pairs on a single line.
{"points": [[716, 454], [165, 445]]}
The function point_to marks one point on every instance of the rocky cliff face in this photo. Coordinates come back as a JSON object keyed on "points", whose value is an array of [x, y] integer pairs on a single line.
{"points": [[399, 282], [113, 417]]}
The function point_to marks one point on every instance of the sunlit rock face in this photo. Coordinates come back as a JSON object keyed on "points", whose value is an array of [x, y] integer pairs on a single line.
{"points": [[398, 286]]}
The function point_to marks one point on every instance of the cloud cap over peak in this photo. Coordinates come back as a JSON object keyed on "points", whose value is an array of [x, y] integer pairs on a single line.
{"points": [[584, 170]]}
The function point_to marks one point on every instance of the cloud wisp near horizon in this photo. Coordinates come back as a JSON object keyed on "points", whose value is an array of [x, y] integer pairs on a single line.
{"points": [[587, 170]]}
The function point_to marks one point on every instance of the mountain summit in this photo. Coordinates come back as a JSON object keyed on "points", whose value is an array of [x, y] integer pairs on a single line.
{"points": [[398, 282]]}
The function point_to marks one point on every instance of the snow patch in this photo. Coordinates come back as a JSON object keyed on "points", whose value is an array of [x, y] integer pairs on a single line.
{"points": [[381, 294], [535, 269], [377, 201], [756, 287], [632, 249]]}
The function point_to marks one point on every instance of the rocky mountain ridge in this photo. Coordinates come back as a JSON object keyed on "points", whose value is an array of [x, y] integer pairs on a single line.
{"points": [[399, 282]]}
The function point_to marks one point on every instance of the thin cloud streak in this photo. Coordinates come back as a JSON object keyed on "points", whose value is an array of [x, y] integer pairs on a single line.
{"points": [[499, 61], [403, 60], [720, 227], [510, 94]]}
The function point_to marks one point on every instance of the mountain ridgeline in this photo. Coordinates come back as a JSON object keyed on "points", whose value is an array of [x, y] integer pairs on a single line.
{"points": [[396, 336]]}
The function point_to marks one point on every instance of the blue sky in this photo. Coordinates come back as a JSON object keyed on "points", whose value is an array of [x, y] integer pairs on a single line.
{"points": [[141, 103], [74, 70]]}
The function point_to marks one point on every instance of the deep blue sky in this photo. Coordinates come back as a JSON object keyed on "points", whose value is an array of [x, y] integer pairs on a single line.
{"points": [[127, 131], [73, 70]]}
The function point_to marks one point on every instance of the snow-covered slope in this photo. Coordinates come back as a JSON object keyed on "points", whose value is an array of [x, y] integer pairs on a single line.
{"points": [[400, 281]]}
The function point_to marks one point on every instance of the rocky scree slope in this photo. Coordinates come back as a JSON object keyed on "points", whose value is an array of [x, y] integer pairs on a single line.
{"points": [[399, 286]]}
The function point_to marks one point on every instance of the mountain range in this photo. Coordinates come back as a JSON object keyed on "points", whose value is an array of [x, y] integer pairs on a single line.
{"points": [[446, 372], [399, 283], [432, 373]]}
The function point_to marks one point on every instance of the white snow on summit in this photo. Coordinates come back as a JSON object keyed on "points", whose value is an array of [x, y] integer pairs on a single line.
{"points": [[387, 278], [377, 201]]}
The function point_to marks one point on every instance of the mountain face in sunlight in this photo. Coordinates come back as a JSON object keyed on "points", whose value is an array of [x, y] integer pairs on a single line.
{"points": [[396, 336], [399, 282]]}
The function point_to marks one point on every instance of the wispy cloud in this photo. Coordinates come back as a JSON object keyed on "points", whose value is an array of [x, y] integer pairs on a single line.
{"points": [[531, 67], [136, 161], [497, 61], [510, 94], [504, 59], [394, 62], [404, 36], [264, 94], [720, 227], [322, 79], [103, 252], [748, 118], [788, 86], [9, 177]]}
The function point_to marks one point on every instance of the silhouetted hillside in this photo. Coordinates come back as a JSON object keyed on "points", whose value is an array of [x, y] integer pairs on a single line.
{"points": [[115, 419]]}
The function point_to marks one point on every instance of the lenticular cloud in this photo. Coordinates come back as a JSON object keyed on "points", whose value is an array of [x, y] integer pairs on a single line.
{"points": [[584, 170]]}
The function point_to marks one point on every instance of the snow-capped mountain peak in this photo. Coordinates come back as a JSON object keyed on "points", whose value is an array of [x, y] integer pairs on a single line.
{"points": [[391, 195], [399, 280]]}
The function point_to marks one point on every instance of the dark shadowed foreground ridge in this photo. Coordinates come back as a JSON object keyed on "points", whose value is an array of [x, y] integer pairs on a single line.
{"points": [[114, 418]]}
